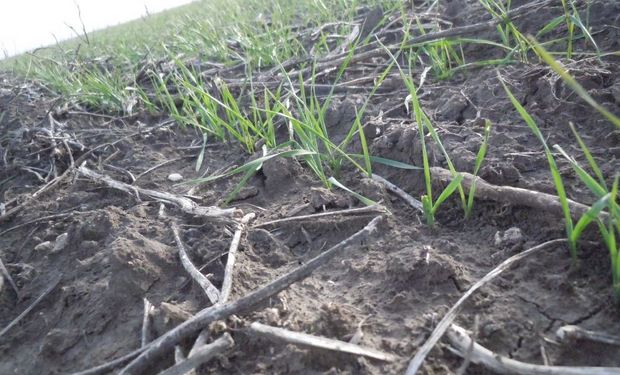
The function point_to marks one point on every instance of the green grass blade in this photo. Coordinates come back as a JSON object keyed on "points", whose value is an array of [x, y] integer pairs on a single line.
{"points": [[365, 151], [555, 173], [588, 155], [590, 215], [448, 191], [479, 159]]}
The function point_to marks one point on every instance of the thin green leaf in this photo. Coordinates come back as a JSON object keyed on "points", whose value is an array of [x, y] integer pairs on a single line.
{"points": [[448, 191], [590, 215]]}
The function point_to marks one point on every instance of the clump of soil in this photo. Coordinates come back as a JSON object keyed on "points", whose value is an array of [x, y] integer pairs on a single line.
{"points": [[112, 249]]}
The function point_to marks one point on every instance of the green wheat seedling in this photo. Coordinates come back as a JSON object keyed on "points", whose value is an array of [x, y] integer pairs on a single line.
{"points": [[218, 114], [606, 200], [89, 85], [572, 19], [430, 207], [510, 36], [609, 233], [555, 173], [479, 159], [424, 124], [595, 181], [442, 54]]}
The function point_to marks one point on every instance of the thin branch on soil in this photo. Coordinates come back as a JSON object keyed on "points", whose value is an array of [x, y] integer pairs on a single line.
{"points": [[146, 336], [502, 365], [375, 209], [8, 277], [444, 324], [201, 340], [513, 195], [201, 320], [210, 290], [47, 291], [227, 283], [123, 170], [470, 349], [202, 355], [232, 256], [571, 333], [185, 204], [304, 339], [400, 192]]}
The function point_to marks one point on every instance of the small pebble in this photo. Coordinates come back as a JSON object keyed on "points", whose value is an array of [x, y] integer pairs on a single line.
{"points": [[511, 237], [44, 246], [61, 242], [175, 177]]}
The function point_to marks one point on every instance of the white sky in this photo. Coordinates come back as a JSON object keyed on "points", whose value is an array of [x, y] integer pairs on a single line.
{"points": [[27, 24]]}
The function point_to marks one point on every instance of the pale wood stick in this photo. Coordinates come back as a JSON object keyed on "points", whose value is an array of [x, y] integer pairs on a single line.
{"points": [[304, 339], [204, 354], [178, 354], [444, 324], [400, 192], [185, 204], [503, 365], [571, 332], [232, 256], [201, 340], [146, 323], [375, 208], [201, 320], [47, 291], [8, 277], [515, 196], [210, 290], [228, 277]]}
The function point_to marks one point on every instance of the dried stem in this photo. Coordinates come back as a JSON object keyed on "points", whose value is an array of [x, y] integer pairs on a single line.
{"points": [[202, 355], [146, 336], [571, 332], [400, 192], [375, 208], [305, 339], [513, 195], [185, 204], [502, 365], [47, 291], [212, 293]]}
